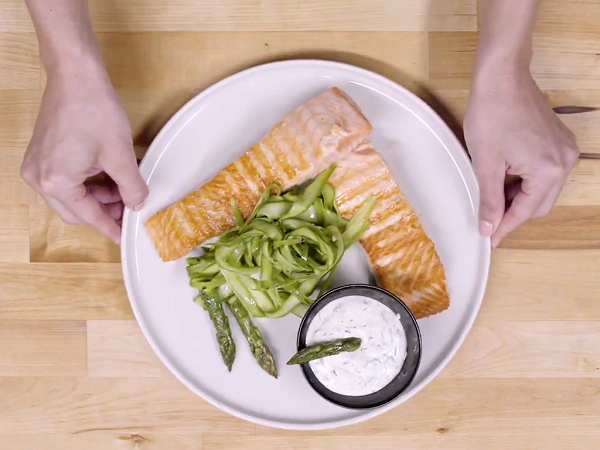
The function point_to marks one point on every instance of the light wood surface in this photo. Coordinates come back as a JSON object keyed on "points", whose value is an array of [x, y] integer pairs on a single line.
{"points": [[76, 372]]}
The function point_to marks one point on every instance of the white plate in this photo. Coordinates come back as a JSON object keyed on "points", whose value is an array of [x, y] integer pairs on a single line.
{"points": [[216, 127]]}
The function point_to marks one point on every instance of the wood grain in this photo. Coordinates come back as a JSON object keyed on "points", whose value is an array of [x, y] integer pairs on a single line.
{"points": [[19, 61], [104, 441], [18, 111], [136, 60], [14, 234], [439, 439], [529, 407], [51, 240], [117, 348], [542, 285], [582, 187], [13, 190], [271, 15], [558, 16], [565, 228], [561, 61], [521, 349], [63, 292], [94, 406], [37, 348]]}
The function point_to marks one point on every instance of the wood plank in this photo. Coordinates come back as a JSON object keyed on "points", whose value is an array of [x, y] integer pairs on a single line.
{"points": [[63, 292], [582, 124], [18, 112], [288, 15], [42, 348], [92, 406], [433, 440], [566, 227], [117, 348], [438, 440], [19, 61], [529, 349], [566, 60], [559, 16], [542, 285], [485, 407], [13, 190], [560, 61], [14, 17], [582, 187], [54, 241], [95, 406], [142, 61], [451, 58], [257, 15], [105, 441], [14, 234]]}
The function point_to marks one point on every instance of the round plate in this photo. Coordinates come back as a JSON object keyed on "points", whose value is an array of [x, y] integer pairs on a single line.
{"points": [[215, 128]]}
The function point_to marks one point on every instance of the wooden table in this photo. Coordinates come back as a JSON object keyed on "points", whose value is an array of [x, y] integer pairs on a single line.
{"points": [[75, 370]]}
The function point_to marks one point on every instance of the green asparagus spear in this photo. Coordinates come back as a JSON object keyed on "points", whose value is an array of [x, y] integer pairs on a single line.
{"points": [[324, 349], [215, 310], [258, 347]]}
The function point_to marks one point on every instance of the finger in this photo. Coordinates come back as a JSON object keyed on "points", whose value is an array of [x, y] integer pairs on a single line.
{"points": [[115, 210], [63, 213], [510, 192], [106, 194], [121, 166], [523, 207], [90, 211], [549, 202], [490, 174]]}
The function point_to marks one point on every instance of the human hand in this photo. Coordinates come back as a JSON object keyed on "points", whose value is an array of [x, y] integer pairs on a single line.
{"points": [[511, 129], [82, 131]]}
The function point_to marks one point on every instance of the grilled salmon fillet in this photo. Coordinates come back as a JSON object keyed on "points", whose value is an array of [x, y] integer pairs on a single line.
{"points": [[402, 257], [308, 140]]}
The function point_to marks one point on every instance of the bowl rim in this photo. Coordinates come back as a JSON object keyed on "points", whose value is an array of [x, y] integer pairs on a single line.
{"points": [[311, 314]]}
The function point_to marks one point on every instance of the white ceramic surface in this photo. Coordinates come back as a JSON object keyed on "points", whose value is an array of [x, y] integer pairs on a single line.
{"points": [[218, 125]]}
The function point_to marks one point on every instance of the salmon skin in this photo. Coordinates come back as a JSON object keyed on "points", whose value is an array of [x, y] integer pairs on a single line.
{"points": [[308, 140], [402, 257]]}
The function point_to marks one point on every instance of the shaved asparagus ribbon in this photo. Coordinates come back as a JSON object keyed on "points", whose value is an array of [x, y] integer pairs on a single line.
{"points": [[275, 259]]}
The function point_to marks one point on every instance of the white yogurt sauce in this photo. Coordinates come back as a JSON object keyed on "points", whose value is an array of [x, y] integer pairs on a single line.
{"points": [[380, 356]]}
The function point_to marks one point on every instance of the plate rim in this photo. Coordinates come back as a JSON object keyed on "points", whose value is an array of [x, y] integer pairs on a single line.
{"points": [[330, 424]]}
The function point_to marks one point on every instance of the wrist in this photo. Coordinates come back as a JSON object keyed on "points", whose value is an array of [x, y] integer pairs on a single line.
{"points": [[501, 67], [77, 65]]}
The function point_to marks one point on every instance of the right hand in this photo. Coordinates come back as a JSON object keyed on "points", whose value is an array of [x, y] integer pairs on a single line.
{"points": [[81, 131], [511, 129]]}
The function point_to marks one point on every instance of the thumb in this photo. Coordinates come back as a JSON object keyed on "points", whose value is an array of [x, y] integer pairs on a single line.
{"points": [[121, 166], [490, 176]]}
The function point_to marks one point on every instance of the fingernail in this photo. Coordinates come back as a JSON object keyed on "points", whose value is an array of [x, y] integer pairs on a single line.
{"points": [[486, 228], [139, 207]]}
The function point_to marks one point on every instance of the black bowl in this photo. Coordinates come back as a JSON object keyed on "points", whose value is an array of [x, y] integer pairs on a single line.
{"points": [[413, 355]]}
